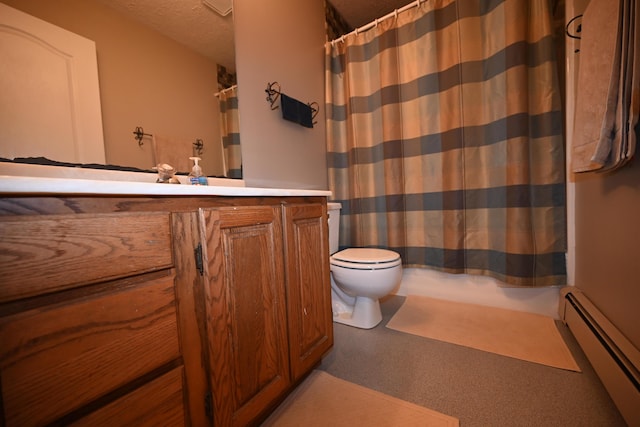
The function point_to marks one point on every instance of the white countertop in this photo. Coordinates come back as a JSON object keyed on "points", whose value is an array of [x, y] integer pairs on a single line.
{"points": [[39, 185], [32, 179]]}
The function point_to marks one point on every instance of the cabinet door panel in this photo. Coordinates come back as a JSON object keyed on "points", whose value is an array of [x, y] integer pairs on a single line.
{"points": [[55, 359], [308, 286], [245, 296]]}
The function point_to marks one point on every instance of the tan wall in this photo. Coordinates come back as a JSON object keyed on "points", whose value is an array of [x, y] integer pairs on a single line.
{"points": [[146, 79], [608, 244], [283, 41]]}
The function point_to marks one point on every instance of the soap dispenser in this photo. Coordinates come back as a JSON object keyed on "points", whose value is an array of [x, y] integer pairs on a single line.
{"points": [[196, 177]]}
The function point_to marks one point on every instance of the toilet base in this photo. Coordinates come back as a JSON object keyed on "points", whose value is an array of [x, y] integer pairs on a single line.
{"points": [[364, 314]]}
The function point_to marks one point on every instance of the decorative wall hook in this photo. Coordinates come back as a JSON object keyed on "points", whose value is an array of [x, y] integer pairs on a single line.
{"points": [[314, 110], [199, 146], [574, 28], [578, 28], [139, 134], [273, 94]]}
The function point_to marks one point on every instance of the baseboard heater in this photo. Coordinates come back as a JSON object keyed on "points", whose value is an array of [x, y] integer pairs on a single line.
{"points": [[613, 357]]}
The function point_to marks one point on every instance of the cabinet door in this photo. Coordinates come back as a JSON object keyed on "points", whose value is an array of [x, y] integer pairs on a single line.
{"points": [[308, 286], [54, 113], [245, 305]]}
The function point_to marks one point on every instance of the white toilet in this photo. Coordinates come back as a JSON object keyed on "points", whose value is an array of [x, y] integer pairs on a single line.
{"points": [[359, 277]]}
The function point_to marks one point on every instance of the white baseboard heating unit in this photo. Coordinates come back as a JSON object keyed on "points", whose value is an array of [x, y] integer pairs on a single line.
{"points": [[613, 357]]}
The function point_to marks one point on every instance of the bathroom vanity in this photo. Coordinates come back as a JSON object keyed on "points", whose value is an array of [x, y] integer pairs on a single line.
{"points": [[157, 304]]}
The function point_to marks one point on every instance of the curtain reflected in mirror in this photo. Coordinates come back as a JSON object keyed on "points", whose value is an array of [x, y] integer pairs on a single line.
{"points": [[230, 132]]}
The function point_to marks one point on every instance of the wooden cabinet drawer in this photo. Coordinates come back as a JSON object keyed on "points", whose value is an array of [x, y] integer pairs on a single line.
{"points": [[158, 403], [42, 254], [54, 360]]}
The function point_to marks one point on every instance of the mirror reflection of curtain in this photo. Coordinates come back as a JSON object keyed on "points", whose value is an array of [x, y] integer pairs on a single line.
{"points": [[444, 138], [230, 131]]}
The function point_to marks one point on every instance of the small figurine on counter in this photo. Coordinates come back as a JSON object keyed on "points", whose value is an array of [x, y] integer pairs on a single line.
{"points": [[166, 174]]}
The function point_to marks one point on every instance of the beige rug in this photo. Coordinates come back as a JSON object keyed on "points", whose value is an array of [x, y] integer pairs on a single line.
{"points": [[324, 400], [525, 336]]}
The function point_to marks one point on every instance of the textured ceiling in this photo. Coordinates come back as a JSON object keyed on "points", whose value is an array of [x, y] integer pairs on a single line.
{"points": [[189, 22], [193, 24]]}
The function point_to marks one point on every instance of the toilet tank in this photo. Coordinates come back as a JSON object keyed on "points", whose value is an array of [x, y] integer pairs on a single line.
{"points": [[333, 211]]}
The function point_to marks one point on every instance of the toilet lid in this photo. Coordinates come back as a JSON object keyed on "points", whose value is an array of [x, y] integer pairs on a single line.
{"points": [[366, 256]]}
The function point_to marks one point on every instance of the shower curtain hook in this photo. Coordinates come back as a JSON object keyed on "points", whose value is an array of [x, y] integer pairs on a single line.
{"points": [[395, 12], [417, 3], [376, 22]]}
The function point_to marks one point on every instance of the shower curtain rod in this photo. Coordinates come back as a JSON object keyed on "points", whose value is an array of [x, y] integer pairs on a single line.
{"points": [[217, 94], [375, 22]]}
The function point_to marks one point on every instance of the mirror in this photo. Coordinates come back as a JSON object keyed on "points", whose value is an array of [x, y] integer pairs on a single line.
{"points": [[159, 64]]}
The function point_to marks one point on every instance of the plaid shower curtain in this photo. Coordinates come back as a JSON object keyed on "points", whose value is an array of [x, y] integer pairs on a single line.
{"points": [[230, 130], [445, 139]]}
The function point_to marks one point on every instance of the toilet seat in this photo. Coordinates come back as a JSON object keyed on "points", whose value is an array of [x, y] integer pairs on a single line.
{"points": [[366, 259]]}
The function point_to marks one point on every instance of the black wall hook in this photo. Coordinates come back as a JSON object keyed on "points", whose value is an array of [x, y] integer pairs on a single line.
{"points": [[273, 94], [199, 146], [578, 29], [572, 32], [139, 134], [314, 110]]}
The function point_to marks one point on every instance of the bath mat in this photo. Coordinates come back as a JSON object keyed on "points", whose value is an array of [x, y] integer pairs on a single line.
{"points": [[324, 400], [525, 336]]}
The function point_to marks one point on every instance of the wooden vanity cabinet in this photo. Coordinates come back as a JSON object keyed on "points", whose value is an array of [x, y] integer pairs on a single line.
{"points": [[88, 323], [159, 311]]}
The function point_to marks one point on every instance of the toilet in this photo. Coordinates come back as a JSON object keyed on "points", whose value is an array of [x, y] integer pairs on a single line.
{"points": [[359, 278]]}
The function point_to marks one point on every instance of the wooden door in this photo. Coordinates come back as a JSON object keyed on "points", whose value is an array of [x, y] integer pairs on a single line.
{"points": [[245, 305], [49, 92], [308, 286]]}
